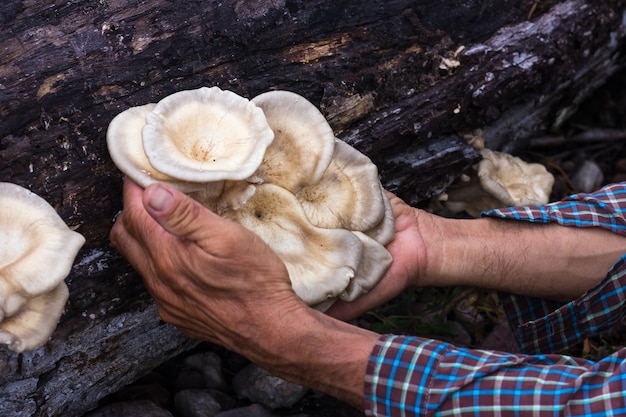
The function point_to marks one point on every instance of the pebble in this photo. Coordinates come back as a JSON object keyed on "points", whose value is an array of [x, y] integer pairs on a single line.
{"points": [[196, 403], [588, 177], [209, 367], [254, 410], [259, 386]]}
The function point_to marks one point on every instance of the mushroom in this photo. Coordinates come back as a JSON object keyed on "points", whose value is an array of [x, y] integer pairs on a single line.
{"points": [[348, 195], [374, 263], [303, 144], [192, 140], [206, 135], [125, 145], [385, 230], [272, 164], [37, 251], [501, 180], [321, 262]]}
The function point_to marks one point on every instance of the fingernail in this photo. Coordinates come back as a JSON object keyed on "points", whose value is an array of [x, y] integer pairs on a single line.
{"points": [[160, 199]]}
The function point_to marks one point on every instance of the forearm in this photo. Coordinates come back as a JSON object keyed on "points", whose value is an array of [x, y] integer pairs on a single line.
{"points": [[542, 260], [312, 349]]}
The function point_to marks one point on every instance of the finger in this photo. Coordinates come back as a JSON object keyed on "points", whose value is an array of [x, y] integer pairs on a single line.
{"points": [[133, 219], [398, 206], [133, 222], [131, 248], [140, 258], [121, 239], [184, 217]]}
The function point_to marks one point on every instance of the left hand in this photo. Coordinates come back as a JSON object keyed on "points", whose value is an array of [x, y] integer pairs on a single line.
{"points": [[210, 277]]}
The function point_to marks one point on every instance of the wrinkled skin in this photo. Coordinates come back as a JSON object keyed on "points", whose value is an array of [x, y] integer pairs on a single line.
{"points": [[219, 282], [207, 274]]}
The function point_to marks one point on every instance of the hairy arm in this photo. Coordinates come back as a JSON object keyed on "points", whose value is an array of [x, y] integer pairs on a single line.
{"points": [[541, 260]]}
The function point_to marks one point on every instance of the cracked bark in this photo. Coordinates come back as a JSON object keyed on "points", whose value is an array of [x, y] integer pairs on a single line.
{"points": [[401, 80]]}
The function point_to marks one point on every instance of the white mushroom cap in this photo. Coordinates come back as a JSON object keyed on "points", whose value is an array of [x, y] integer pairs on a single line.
{"points": [[513, 181], [303, 145], [37, 251], [374, 263], [125, 145], [33, 324], [501, 180], [254, 157], [348, 195], [385, 230], [320, 262], [206, 135]]}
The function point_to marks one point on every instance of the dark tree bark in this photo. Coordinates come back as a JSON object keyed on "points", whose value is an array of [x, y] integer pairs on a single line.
{"points": [[401, 80]]}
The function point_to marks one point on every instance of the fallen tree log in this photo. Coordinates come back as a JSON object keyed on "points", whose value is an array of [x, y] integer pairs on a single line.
{"points": [[399, 80]]}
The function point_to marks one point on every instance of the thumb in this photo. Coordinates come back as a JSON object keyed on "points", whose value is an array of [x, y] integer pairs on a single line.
{"points": [[175, 212]]}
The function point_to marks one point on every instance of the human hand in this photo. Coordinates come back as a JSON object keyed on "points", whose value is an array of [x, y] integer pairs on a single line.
{"points": [[210, 277], [408, 250]]}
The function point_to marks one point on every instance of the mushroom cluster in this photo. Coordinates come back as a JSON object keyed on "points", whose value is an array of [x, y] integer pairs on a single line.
{"points": [[37, 251], [273, 165]]}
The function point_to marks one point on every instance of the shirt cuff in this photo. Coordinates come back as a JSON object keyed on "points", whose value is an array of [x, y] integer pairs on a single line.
{"points": [[391, 387], [545, 326]]}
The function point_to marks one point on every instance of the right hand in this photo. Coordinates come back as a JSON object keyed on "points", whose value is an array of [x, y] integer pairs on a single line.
{"points": [[409, 262]]}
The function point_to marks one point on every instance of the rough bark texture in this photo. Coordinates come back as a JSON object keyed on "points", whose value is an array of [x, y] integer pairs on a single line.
{"points": [[384, 73]]}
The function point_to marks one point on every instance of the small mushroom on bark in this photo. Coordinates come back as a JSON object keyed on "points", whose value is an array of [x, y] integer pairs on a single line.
{"points": [[501, 180], [37, 251], [35, 321]]}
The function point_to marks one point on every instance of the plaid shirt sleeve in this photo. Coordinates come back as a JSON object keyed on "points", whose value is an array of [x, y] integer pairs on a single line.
{"points": [[543, 326], [410, 376]]}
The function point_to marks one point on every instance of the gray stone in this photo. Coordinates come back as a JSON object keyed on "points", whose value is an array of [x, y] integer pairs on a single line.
{"points": [[259, 386], [209, 364], [196, 403], [225, 400], [188, 378]]}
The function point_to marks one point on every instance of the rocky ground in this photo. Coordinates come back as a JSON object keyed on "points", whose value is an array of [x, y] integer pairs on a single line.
{"points": [[587, 152]]}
